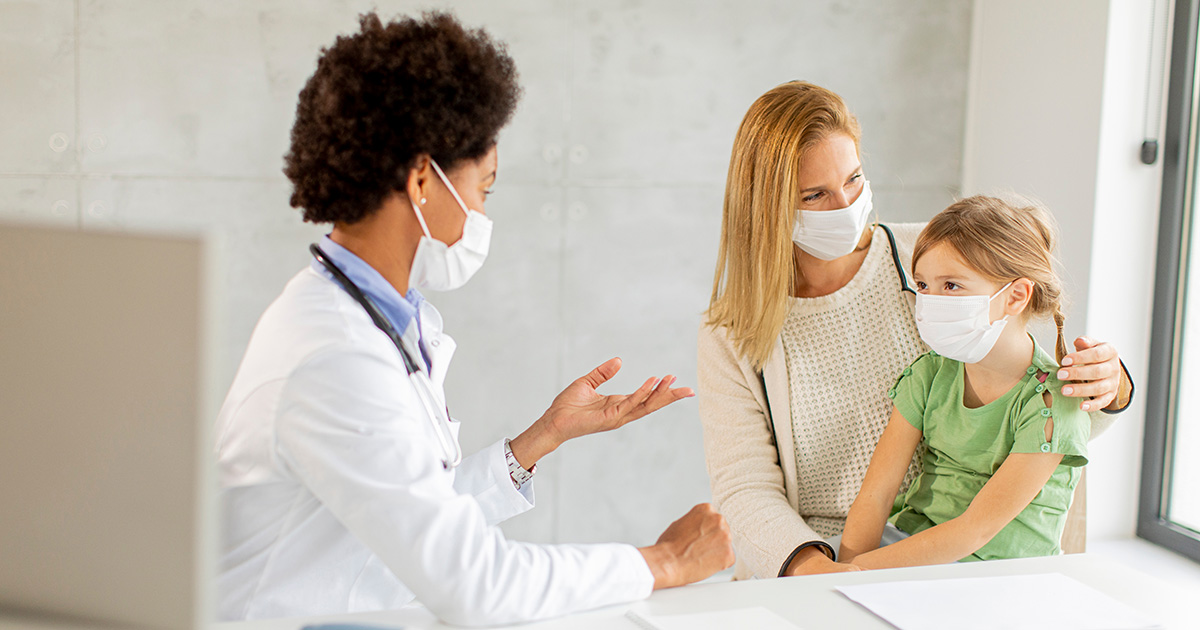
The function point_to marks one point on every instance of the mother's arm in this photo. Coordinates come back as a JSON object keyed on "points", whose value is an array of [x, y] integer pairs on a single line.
{"points": [[743, 462]]}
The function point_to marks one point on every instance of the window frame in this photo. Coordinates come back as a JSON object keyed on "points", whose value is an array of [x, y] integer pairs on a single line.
{"points": [[1179, 147]]}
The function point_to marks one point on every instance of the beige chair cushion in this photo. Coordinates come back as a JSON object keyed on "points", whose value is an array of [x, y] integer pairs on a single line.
{"points": [[1074, 537]]}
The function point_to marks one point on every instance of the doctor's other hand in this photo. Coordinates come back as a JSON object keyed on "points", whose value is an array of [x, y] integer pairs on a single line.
{"points": [[580, 410], [692, 549]]}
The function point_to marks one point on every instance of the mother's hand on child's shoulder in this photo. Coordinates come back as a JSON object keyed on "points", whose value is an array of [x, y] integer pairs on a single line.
{"points": [[1096, 374]]}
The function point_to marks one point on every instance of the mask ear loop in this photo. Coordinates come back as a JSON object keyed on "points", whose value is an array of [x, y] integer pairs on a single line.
{"points": [[1002, 289], [420, 219], [1010, 283], [874, 210], [446, 181]]}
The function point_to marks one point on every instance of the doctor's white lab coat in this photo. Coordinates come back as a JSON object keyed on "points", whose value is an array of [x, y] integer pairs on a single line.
{"points": [[335, 499]]}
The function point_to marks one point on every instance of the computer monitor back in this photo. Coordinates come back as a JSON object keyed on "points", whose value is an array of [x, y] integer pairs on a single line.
{"points": [[105, 489]]}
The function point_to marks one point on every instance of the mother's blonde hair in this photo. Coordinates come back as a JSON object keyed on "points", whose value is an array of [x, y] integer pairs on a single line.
{"points": [[755, 262]]}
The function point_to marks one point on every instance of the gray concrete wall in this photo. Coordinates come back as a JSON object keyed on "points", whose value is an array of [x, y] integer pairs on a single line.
{"points": [[174, 115]]}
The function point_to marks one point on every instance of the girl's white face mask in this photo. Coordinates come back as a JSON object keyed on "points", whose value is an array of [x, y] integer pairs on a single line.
{"points": [[439, 267], [959, 327], [832, 234]]}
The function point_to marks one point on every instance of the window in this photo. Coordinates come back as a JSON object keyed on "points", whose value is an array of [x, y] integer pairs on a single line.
{"points": [[1169, 513]]}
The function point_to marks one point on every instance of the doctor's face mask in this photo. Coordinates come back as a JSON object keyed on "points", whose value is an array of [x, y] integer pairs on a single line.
{"points": [[440, 267]]}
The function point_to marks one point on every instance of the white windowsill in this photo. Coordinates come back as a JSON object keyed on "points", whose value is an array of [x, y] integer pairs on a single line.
{"points": [[1151, 559]]}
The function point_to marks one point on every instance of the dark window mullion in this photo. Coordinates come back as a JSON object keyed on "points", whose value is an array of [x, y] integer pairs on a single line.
{"points": [[1175, 225]]}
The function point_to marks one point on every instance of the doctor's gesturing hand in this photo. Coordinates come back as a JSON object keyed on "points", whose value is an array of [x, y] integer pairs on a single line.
{"points": [[693, 547], [580, 410]]}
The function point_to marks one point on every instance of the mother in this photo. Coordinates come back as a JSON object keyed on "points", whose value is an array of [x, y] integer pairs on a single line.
{"points": [[810, 321]]}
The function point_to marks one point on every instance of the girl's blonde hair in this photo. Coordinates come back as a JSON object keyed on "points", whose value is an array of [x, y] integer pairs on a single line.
{"points": [[755, 266], [1003, 240]]}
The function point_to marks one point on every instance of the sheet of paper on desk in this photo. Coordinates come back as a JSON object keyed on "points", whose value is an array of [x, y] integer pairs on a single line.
{"points": [[758, 618], [1029, 602]]}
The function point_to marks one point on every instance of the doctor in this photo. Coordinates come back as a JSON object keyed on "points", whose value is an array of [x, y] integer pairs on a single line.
{"points": [[339, 468]]}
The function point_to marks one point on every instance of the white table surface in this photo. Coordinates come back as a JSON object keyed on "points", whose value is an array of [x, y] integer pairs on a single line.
{"points": [[813, 604]]}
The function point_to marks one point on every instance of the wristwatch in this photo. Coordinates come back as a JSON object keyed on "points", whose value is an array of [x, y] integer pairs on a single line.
{"points": [[516, 472]]}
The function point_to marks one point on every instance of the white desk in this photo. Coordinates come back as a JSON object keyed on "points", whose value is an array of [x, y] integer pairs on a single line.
{"points": [[813, 604]]}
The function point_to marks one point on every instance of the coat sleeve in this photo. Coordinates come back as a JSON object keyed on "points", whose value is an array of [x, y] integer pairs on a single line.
{"points": [[743, 461], [358, 441], [484, 475]]}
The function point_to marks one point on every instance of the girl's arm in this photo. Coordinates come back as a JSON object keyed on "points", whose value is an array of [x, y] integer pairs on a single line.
{"points": [[1019, 479], [893, 454]]}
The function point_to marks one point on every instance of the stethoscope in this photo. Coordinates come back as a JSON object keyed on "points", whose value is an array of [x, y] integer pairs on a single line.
{"points": [[438, 414], [904, 286]]}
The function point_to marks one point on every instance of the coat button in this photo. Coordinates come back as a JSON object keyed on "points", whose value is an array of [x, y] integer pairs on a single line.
{"points": [[1040, 388], [1046, 448], [907, 371], [1030, 370], [435, 343], [891, 393], [1045, 413]]}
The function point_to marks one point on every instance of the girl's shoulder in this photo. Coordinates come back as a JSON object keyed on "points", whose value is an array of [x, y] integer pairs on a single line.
{"points": [[1046, 421], [930, 363], [921, 371], [1043, 396], [915, 386]]}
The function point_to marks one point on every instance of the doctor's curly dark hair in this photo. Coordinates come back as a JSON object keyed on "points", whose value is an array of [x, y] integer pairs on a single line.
{"points": [[386, 95]]}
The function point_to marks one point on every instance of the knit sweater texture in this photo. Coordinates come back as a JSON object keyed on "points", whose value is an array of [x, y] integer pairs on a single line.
{"points": [[842, 352]]}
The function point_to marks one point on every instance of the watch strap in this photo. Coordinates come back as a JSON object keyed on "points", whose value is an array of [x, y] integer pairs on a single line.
{"points": [[516, 472]]}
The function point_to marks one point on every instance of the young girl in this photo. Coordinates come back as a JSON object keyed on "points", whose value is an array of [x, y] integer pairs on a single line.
{"points": [[1002, 449]]}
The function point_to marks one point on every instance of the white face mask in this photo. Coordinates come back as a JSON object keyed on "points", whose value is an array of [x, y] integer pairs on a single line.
{"points": [[959, 327], [832, 234], [439, 267]]}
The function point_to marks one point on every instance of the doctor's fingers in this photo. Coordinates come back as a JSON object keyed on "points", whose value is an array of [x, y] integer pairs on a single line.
{"points": [[620, 412], [663, 395], [601, 373]]}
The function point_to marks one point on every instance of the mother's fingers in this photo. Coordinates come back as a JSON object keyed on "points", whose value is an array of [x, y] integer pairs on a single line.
{"points": [[1098, 403], [1089, 354], [1092, 372], [1090, 388]]}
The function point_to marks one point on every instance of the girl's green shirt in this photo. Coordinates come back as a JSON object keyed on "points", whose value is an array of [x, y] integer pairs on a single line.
{"points": [[964, 447]]}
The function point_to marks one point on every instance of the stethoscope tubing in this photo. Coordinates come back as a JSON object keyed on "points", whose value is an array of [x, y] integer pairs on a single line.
{"points": [[451, 449]]}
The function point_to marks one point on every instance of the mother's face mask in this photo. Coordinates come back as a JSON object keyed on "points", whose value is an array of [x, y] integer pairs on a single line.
{"points": [[831, 234]]}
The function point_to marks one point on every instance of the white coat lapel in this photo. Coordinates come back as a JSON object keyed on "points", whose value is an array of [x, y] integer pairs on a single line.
{"points": [[439, 346]]}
